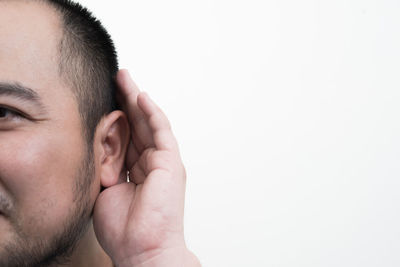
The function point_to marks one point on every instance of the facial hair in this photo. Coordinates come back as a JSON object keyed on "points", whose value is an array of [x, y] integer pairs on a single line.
{"points": [[26, 251]]}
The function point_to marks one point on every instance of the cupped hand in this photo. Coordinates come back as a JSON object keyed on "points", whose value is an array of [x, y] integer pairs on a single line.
{"points": [[140, 223]]}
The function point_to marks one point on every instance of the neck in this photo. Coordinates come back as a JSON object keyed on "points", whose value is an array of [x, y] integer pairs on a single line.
{"points": [[88, 252]]}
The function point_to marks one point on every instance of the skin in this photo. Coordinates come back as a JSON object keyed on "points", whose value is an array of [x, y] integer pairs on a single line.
{"points": [[141, 223], [43, 153], [39, 167]]}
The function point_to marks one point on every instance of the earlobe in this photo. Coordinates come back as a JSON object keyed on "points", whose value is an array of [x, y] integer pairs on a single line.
{"points": [[113, 141]]}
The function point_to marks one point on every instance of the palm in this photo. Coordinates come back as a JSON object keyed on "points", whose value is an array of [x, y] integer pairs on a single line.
{"points": [[147, 213]]}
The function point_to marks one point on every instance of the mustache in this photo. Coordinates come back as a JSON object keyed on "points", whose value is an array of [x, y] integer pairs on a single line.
{"points": [[5, 205]]}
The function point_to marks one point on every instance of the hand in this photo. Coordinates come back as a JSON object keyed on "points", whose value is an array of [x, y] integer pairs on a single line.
{"points": [[140, 223]]}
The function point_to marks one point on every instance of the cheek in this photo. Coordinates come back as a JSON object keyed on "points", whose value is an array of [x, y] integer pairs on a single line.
{"points": [[38, 171]]}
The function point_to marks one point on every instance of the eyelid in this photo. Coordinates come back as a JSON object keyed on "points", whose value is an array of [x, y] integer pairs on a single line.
{"points": [[15, 111]]}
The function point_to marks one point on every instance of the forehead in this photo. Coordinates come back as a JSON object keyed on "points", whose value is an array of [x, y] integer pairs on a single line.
{"points": [[30, 32]]}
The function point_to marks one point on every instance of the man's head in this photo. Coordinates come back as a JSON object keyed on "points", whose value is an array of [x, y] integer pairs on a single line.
{"points": [[59, 139], [88, 62]]}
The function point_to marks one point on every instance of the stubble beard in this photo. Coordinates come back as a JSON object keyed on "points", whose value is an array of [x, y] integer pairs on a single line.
{"points": [[49, 251]]}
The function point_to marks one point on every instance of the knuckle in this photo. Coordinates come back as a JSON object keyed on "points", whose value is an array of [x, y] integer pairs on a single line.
{"points": [[148, 153], [160, 120], [161, 160]]}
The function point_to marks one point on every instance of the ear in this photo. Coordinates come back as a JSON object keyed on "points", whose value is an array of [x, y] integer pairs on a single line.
{"points": [[112, 139]]}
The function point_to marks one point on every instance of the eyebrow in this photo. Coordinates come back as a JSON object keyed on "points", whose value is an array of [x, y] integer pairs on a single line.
{"points": [[20, 91]]}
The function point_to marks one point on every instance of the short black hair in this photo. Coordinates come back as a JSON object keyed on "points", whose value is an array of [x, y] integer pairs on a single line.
{"points": [[88, 63]]}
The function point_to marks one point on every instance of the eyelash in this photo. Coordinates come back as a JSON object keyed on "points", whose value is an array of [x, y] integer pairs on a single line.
{"points": [[13, 112]]}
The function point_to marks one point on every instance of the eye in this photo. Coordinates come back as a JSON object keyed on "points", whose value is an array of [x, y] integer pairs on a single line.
{"points": [[7, 113]]}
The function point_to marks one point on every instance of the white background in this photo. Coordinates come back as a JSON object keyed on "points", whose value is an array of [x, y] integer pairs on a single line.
{"points": [[287, 115]]}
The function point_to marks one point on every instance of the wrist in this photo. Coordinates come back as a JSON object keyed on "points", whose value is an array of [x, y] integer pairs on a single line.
{"points": [[174, 257]]}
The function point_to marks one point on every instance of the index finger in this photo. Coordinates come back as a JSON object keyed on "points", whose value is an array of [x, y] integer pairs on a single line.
{"points": [[128, 98], [127, 95]]}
